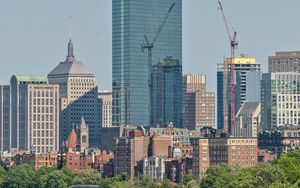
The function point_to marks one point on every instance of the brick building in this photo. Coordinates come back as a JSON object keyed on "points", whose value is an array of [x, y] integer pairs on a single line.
{"points": [[128, 150], [212, 150]]}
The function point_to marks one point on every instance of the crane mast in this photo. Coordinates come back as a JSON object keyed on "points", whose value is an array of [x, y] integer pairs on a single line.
{"points": [[233, 46], [149, 45]]}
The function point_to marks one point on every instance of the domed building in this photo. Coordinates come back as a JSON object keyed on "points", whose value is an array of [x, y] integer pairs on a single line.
{"points": [[78, 96], [72, 140]]}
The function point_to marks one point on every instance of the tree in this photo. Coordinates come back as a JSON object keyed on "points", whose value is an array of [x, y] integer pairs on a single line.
{"points": [[22, 176], [3, 176], [188, 178], [290, 164], [55, 178], [266, 174], [86, 177], [218, 176]]}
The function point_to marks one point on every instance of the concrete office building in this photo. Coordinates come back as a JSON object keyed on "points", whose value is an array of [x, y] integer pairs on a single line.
{"points": [[34, 114], [132, 20], [285, 62], [105, 104], [247, 120], [78, 97], [166, 93], [5, 118], [280, 99], [247, 87], [198, 105]]}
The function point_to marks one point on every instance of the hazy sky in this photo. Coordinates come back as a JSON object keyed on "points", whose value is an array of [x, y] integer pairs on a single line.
{"points": [[34, 34]]}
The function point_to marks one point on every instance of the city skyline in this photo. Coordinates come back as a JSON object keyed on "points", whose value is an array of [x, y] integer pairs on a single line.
{"points": [[29, 41]]}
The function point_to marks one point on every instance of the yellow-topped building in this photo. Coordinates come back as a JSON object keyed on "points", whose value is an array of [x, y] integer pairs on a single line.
{"points": [[241, 60]]}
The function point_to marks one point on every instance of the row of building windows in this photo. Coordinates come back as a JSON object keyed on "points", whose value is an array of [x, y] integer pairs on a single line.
{"points": [[43, 125], [42, 133], [42, 93]]}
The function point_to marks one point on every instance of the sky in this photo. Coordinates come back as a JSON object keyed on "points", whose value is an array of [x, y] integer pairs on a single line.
{"points": [[34, 34]]}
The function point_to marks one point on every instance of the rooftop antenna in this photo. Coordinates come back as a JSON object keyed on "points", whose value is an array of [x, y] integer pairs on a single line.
{"points": [[70, 30]]}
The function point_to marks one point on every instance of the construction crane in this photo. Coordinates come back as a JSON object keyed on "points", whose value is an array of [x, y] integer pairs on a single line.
{"points": [[233, 46], [150, 45]]}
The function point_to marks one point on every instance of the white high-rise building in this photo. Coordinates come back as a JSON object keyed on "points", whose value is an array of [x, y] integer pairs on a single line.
{"points": [[105, 104], [280, 99], [34, 115], [78, 97]]}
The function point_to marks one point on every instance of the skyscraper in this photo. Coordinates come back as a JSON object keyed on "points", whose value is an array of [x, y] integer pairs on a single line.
{"points": [[166, 93], [34, 114], [132, 21], [78, 97], [285, 62], [198, 104], [246, 83], [280, 99], [5, 118]]}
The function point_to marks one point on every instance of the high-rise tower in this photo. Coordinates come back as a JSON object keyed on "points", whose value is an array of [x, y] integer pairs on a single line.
{"points": [[166, 93], [78, 97], [247, 88], [130, 70]]}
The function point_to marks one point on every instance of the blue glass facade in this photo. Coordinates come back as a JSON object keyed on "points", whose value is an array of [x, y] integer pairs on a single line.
{"points": [[166, 93], [130, 76], [220, 99]]}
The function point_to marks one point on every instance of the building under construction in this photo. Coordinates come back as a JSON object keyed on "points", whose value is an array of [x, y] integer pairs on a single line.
{"points": [[246, 83]]}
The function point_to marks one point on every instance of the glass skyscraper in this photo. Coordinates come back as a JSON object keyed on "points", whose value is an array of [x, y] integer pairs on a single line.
{"points": [[130, 71], [166, 93], [247, 87]]}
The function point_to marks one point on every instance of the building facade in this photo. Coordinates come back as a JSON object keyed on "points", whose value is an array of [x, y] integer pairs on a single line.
{"points": [[166, 93], [42, 121], [280, 139], [133, 21], [34, 114], [209, 151], [105, 105], [78, 97], [246, 85], [280, 99], [153, 166], [5, 118], [198, 105], [179, 136], [128, 150], [285, 62], [247, 120]]}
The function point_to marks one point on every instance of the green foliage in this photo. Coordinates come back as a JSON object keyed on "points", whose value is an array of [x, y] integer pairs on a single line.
{"points": [[283, 173], [187, 179], [86, 177], [3, 176], [218, 176], [290, 164], [55, 178], [22, 176]]}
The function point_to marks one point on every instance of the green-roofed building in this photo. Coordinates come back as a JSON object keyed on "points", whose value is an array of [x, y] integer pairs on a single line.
{"points": [[33, 117]]}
